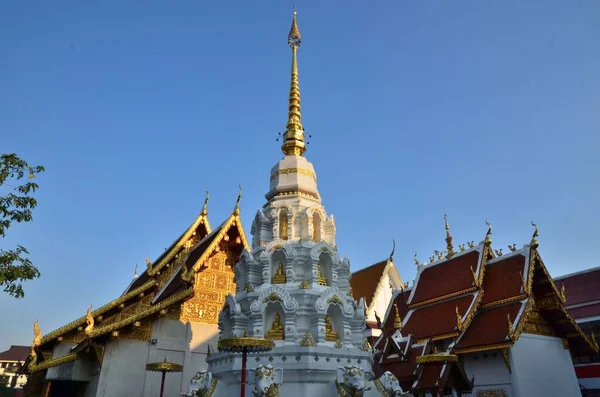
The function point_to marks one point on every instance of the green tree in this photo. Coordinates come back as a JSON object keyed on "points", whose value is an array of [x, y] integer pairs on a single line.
{"points": [[16, 205]]}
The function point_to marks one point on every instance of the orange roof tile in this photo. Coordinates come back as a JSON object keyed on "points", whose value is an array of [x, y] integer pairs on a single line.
{"points": [[364, 282]]}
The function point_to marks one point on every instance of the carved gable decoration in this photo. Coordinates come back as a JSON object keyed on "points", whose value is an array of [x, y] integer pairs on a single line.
{"points": [[320, 247], [274, 293], [211, 286], [334, 295]]}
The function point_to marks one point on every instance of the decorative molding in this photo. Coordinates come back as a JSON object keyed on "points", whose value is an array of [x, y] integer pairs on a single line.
{"points": [[288, 303], [288, 171], [333, 295], [101, 310], [443, 297]]}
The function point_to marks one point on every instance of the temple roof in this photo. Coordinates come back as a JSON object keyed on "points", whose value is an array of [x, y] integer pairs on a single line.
{"points": [[364, 281], [15, 353], [167, 282], [447, 278], [582, 293], [476, 301]]}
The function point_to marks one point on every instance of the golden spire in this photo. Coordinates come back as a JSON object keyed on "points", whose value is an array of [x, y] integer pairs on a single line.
{"points": [[293, 138], [449, 245], [397, 320]]}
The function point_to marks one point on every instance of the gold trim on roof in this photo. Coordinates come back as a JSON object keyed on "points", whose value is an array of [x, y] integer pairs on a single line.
{"points": [[437, 358], [500, 302], [151, 310], [111, 305], [233, 220], [443, 297], [180, 244], [483, 348], [52, 363]]}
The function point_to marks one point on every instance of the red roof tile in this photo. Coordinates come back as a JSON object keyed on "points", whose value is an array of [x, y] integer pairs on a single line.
{"points": [[438, 318], [489, 327], [364, 282], [429, 377], [400, 302], [503, 279], [581, 288], [446, 278], [404, 369], [15, 353], [585, 311]]}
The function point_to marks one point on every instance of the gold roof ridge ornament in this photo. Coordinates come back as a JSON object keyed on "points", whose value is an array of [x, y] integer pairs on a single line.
{"points": [[236, 210], [204, 210], [449, 245], [488, 235], [37, 333], [90, 321], [397, 319], [293, 138], [534, 243]]}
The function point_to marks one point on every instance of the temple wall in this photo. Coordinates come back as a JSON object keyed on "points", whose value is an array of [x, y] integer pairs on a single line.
{"points": [[543, 367], [80, 370], [123, 368], [491, 372]]}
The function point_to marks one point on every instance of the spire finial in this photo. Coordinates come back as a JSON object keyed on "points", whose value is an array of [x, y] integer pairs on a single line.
{"points": [[534, 243], [237, 203], [488, 235], [397, 320], [449, 245], [293, 138], [204, 210], [135, 275]]}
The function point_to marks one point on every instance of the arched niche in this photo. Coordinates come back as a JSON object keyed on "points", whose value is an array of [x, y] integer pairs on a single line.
{"points": [[276, 260], [336, 317], [326, 267], [284, 226], [270, 321], [316, 232]]}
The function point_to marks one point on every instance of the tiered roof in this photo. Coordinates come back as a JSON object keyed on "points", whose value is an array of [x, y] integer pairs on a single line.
{"points": [[469, 302], [158, 291]]}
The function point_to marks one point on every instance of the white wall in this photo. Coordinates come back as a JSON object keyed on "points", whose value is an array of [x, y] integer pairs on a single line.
{"points": [[123, 368], [491, 373], [543, 367]]}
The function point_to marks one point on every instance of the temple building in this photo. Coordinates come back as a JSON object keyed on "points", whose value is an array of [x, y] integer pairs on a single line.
{"points": [[583, 304], [485, 322], [168, 312], [376, 284], [11, 361], [289, 286]]}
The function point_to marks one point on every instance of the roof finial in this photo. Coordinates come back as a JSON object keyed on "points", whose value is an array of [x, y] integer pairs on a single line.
{"points": [[204, 211], [237, 203], [393, 249], [534, 243], [135, 275], [449, 245], [397, 320], [293, 138], [37, 334], [488, 238]]}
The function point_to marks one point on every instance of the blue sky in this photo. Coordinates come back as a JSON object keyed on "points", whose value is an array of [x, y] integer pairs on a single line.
{"points": [[480, 109]]}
